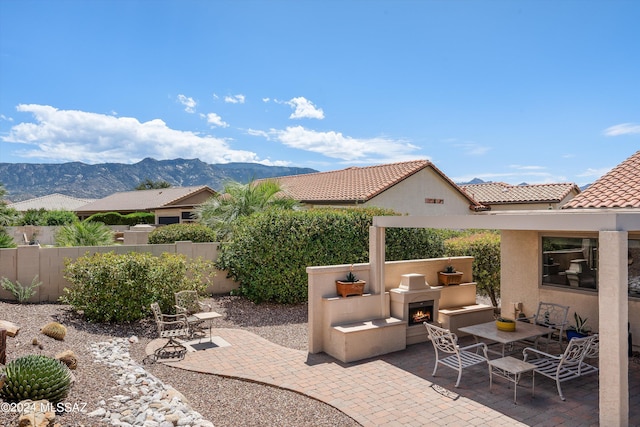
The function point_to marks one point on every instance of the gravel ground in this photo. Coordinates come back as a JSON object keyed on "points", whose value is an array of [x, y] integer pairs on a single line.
{"points": [[223, 401]]}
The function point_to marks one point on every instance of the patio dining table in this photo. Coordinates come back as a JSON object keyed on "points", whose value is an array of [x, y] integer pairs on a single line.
{"points": [[489, 331]]}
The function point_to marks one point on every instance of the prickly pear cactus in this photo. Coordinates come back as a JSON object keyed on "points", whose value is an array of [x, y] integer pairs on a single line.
{"points": [[54, 330], [35, 377]]}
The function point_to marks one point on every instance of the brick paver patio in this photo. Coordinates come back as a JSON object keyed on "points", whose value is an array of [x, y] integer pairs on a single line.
{"points": [[398, 390]]}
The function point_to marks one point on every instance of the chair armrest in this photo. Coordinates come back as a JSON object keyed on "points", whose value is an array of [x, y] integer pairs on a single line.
{"points": [[204, 307], [526, 319], [174, 318], [528, 350], [180, 310], [474, 346]]}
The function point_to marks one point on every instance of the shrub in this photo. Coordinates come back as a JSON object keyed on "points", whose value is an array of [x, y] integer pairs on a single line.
{"points": [[36, 377], [60, 217], [86, 233], [271, 250], [20, 292], [6, 241], [196, 233], [111, 287], [115, 218], [33, 217], [485, 248]]}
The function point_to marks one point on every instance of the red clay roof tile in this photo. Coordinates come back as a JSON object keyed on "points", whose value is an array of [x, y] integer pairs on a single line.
{"points": [[619, 188]]}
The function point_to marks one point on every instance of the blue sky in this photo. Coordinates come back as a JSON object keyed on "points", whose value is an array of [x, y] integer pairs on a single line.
{"points": [[514, 91]]}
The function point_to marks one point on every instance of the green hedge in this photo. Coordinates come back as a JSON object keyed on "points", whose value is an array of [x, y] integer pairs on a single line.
{"points": [[108, 287], [45, 217], [196, 233], [115, 218], [484, 247], [271, 250]]}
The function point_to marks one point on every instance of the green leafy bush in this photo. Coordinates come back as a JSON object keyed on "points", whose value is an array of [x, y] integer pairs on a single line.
{"points": [[44, 217], [6, 241], [21, 292], [484, 247], [36, 377], [115, 218], [271, 250], [196, 233], [111, 287], [86, 233]]}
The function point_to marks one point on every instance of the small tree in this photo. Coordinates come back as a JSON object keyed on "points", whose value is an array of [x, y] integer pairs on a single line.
{"points": [[86, 233], [484, 247], [148, 184], [239, 200]]}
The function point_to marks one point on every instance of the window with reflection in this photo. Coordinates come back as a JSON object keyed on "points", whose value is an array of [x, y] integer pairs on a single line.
{"points": [[570, 262], [633, 260]]}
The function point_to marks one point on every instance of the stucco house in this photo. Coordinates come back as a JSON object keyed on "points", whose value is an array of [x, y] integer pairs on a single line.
{"points": [[595, 234], [500, 196], [55, 201], [170, 205], [414, 188]]}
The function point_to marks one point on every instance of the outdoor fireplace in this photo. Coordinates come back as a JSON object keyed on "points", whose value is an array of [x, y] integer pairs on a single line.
{"points": [[421, 311]]}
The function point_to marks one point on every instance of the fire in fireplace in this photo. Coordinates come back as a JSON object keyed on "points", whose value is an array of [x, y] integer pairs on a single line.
{"points": [[419, 312]]}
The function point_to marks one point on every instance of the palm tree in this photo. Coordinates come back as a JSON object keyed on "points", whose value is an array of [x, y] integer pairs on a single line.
{"points": [[238, 200], [87, 233]]}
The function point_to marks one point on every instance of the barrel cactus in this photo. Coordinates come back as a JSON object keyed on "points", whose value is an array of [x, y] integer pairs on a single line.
{"points": [[36, 377], [54, 330]]}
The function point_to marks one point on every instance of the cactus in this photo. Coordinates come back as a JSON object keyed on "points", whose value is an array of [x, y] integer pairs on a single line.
{"points": [[54, 330], [35, 377]]}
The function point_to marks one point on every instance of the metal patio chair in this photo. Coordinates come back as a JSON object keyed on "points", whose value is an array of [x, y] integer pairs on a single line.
{"points": [[445, 341], [172, 327], [553, 316], [188, 303]]}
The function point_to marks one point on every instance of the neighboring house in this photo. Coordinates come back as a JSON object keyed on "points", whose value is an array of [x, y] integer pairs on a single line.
{"points": [[500, 196], [51, 202], [170, 205], [413, 188]]}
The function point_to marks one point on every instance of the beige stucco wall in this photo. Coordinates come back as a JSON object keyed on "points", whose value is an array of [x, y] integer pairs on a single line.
{"points": [[521, 282], [408, 196]]}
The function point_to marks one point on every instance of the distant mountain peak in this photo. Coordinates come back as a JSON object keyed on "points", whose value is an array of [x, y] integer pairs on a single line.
{"points": [[29, 180]]}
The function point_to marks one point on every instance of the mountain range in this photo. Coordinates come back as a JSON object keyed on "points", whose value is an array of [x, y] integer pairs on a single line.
{"points": [[24, 181]]}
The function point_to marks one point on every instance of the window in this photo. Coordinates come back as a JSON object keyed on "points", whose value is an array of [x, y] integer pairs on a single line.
{"points": [[570, 262], [634, 268]]}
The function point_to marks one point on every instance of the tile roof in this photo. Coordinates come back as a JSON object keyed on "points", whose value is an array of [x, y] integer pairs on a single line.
{"points": [[355, 184], [494, 193], [619, 188], [55, 201], [143, 200]]}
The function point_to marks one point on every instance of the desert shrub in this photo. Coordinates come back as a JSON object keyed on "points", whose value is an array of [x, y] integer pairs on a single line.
{"points": [[196, 233], [60, 217], [33, 217], [116, 218], [271, 250], [109, 287], [85, 233], [6, 241], [484, 247], [21, 292]]}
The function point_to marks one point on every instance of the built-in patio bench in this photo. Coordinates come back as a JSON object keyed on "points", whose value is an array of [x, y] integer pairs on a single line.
{"points": [[358, 340], [458, 308]]}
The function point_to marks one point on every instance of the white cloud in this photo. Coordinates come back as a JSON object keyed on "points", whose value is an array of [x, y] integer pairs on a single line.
{"points": [[304, 109], [216, 120], [594, 173], [265, 100], [472, 148], [527, 168], [71, 135], [3, 117], [336, 145], [235, 99], [188, 102], [622, 129]]}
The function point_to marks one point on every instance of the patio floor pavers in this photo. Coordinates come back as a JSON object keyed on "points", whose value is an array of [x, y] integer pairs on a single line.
{"points": [[397, 387]]}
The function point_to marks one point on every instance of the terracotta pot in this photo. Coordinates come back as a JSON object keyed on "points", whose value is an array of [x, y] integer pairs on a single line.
{"points": [[446, 279], [345, 289]]}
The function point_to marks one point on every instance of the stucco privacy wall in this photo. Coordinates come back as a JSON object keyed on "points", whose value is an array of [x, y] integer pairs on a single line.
{"points": [[26, 262], [354, 309]]}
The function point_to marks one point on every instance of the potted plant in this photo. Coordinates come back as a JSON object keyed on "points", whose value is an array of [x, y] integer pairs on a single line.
{"points": [[350, 285], [449, 276], [506, 325], [578, 330]]}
